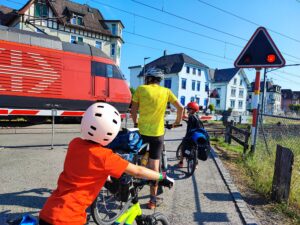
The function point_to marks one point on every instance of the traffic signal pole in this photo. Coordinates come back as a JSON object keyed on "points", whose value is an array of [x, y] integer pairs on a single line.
{"points": [[255, 112]]}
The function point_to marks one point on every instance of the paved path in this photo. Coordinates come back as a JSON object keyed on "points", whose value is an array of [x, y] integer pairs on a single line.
{"points": [[28, 175]]}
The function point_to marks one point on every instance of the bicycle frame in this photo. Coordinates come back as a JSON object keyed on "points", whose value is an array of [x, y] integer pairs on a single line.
{"points": [[129, 215]]}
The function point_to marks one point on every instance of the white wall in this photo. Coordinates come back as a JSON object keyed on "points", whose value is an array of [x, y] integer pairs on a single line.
{"points": [[188, 92]]}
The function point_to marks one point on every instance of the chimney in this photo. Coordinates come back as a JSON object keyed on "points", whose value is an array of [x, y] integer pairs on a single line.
{"points": [[165, 52]]}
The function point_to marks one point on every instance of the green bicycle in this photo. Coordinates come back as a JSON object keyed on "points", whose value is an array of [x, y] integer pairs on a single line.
{"points": [[134, 213]]}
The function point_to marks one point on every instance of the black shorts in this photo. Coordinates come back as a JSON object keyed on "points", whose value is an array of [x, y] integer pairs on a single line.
{"points": [[43, 222], [155, 145]]}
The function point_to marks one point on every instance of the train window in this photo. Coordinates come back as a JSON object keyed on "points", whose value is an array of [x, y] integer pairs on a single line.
{"points": [[98, 69], [109, 70], [117, 73]]}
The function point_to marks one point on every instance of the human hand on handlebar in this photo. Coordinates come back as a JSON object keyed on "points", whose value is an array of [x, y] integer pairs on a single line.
{"points": [[166, 181]]}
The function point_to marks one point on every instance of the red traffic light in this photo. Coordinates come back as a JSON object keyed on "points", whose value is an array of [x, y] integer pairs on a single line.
{"points": [[271, 58]]}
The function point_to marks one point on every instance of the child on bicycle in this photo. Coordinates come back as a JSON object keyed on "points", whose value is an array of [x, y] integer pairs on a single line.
{"points": [[87, 166], [193, 123]]}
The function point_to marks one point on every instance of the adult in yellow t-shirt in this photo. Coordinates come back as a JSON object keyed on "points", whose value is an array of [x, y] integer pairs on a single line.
{"points": [[151, 101]]}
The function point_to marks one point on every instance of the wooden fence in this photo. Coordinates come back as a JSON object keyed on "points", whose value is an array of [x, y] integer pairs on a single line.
{"points": [[234, 133]]}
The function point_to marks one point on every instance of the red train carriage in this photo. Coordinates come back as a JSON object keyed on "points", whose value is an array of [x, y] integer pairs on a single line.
{"points": [[40, 73]]}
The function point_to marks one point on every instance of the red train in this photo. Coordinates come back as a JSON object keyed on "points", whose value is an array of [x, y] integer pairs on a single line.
{"points": [[40, 72]]}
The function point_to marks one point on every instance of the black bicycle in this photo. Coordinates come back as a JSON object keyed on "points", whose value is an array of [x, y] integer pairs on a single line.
{"points": [[112, 204], [189, 148]]}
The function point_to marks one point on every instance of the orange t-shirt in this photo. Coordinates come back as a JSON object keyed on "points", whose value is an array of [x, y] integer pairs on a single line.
{"points": [[86, 168]]}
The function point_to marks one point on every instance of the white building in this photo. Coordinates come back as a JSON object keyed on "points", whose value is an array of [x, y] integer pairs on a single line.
{"points": [[272, 97], [70, 21], [185, 76], [229, 90]]}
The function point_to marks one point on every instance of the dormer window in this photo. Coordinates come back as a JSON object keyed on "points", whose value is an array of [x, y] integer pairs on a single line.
{"points": [[77, 20], [114, 29], [41, 9]]}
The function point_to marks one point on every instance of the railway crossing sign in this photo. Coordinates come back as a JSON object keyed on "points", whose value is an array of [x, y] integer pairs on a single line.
{"points": [[260, 52]]}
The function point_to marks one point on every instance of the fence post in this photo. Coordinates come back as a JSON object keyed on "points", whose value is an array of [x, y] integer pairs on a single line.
{"points": [[282, 174], [246, 140], [227, 132]]}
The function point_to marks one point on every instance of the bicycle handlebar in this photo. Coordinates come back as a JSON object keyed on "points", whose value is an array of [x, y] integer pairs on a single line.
{"points": [[170, 126]]}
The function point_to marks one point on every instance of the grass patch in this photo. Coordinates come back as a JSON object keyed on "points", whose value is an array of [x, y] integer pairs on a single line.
{"points": [[259, 168]]}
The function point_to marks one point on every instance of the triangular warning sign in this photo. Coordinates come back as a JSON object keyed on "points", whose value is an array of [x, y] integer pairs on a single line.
{"points": [[260, 52]]}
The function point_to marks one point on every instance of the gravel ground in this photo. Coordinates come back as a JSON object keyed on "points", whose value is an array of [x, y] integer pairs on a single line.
{"points": [[28, 174]]}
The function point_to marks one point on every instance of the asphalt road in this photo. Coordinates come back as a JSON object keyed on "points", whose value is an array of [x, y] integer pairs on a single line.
{"points": [[28, 174]]}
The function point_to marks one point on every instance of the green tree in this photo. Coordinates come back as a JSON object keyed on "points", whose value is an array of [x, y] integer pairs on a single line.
{"points": [[295, 108], [211, 107]]}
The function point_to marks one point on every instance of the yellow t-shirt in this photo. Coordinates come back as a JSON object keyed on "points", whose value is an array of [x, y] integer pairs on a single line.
{"points": [[152, 100]]}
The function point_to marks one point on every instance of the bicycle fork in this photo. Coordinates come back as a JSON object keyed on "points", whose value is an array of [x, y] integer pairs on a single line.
{"points": [[130, 215]]}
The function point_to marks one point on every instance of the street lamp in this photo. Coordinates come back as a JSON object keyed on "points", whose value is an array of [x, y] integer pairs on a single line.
{"points": [[145, 58]]}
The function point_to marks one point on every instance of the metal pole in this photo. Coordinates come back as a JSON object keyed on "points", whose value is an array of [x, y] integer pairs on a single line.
{"points": [[264, 94], [53, 122], [255, 109]]}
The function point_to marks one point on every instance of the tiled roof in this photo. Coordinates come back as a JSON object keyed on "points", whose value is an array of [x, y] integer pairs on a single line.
{"points": [[173, 63], [91, 16], [225, 75], [63, 9], [287, 93], [6, 14]]}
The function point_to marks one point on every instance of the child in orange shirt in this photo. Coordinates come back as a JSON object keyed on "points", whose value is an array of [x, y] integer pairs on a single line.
{"points": [[87, 166]]}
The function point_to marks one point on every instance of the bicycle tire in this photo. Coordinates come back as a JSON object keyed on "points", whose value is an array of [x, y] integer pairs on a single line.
{"points": [[159, 219], [102, 215], [192, 162], [179, 151]]}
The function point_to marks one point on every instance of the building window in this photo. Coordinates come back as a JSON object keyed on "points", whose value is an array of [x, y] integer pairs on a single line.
{"points": [[98, 44], [182, 100], [183, 83], [233, 92], [198, 100], [41, 9], [234, 81], [206, 87], [218, 103], [241, 93], [187, 69], [73, 39], [114, 29], [80, 39], [118, 51], [76, 19], [199, 72], [168, 83], [240, 104], [113, 49], [241, 82], [198, 85], [192, 99], [193, 85], [194, 71], [232, 104]]}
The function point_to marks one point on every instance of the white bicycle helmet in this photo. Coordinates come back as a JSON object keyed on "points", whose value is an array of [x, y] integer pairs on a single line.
{"points": [[100, 123], [154, 72]]}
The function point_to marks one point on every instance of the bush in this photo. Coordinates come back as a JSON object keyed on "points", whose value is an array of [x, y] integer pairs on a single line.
{"points": [[211, 107], [295, 108]]}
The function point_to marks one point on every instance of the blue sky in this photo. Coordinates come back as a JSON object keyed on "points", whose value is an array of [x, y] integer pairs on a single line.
{"points": [[213, 34]]}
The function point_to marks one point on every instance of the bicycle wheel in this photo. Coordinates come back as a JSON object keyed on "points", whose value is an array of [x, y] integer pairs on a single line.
{"points": [[154, 219], [159, 218], [179, 151], [107, 207], [192, 162]]}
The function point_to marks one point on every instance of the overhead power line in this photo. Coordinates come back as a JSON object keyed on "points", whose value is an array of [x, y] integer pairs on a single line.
{"points": [[180, 46], [247, 20], [195, 22], [167, 24], [189, 20]]}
